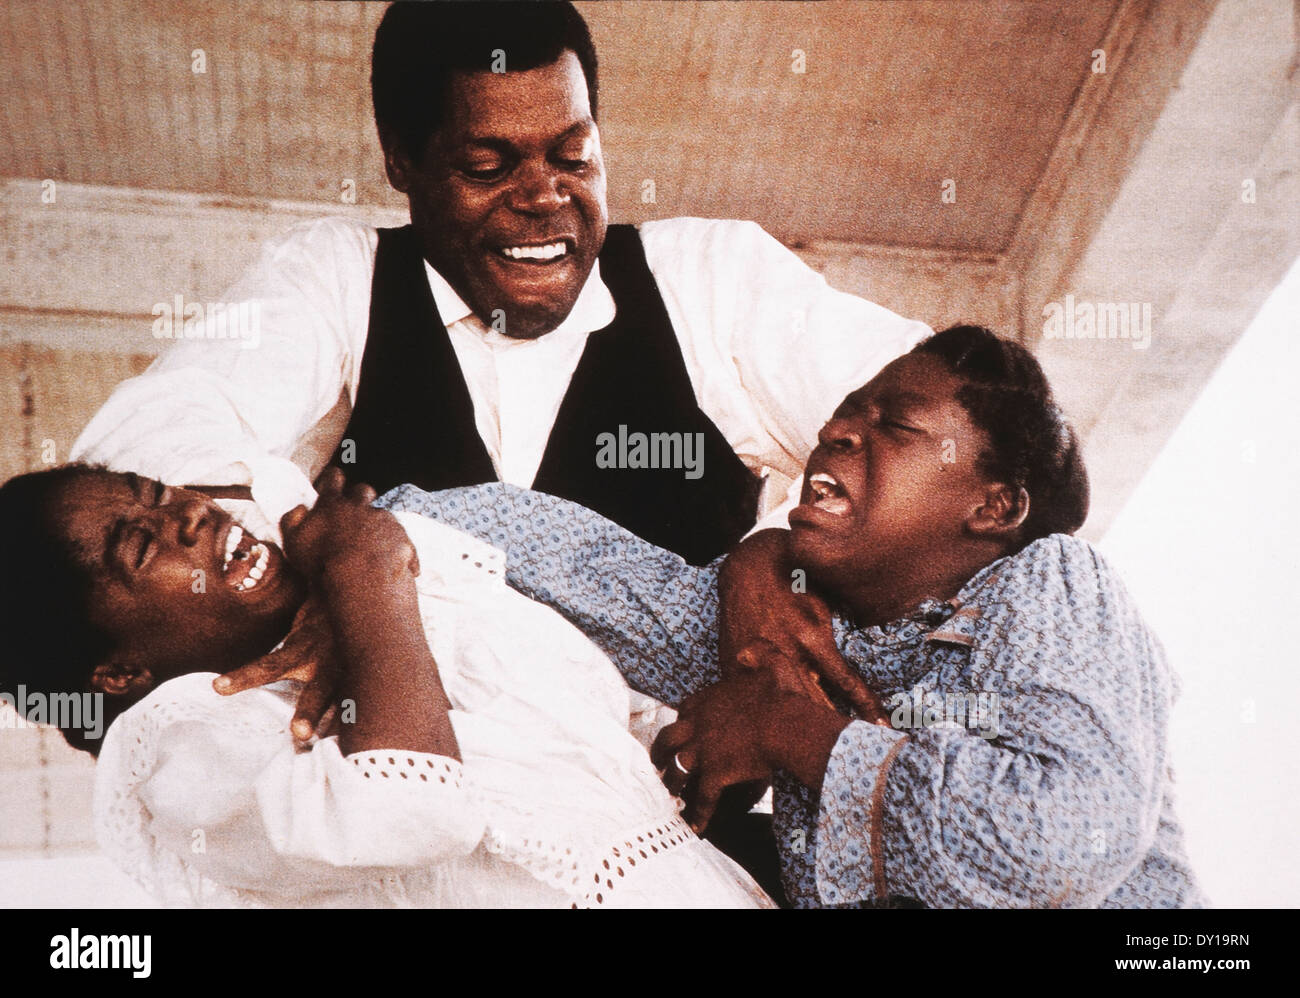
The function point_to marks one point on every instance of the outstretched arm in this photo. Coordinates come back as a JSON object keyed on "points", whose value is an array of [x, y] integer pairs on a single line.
{"points": [[654, 615]]}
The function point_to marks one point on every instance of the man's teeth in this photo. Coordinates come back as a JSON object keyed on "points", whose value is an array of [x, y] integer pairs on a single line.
{"points": [[548, 252], [261, 553]]}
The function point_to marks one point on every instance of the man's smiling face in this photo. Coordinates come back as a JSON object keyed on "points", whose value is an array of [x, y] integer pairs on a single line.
{"points": [[175, 583], [508, 197]]}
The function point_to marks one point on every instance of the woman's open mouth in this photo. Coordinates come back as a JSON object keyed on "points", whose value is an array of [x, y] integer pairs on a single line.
{"points": [[829, 494], [827, 504], [246, 562]]}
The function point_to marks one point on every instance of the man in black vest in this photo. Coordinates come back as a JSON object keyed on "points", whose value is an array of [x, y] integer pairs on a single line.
{"points": [[487, 120], [506, 184]]}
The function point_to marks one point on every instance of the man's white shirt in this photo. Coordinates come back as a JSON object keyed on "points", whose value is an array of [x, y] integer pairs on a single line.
{"points": [[769, 347]]}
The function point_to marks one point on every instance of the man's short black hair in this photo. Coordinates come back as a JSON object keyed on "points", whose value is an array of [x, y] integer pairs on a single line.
{"points": [[419, 45], [1031, 446]]}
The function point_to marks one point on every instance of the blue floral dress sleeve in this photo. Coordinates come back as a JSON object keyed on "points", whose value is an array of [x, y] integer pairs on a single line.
{"points": [[654, 615]]}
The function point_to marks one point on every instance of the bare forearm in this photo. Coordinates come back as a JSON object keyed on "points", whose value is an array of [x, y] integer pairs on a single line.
{"points": [[390, 673]]}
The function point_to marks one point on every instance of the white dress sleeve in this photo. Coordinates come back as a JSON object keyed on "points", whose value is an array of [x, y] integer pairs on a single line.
{"points": [[192, 783]]}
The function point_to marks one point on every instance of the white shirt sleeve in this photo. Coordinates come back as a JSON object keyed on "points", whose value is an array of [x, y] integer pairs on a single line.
{"points": [[771, 348], [242, 411], [217, 782]]}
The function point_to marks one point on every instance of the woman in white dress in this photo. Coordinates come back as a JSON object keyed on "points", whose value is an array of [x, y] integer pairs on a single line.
{"points": [[480, 756]]}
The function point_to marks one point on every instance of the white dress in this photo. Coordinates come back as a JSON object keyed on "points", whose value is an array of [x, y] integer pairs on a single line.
{"points": [[206, 801]]}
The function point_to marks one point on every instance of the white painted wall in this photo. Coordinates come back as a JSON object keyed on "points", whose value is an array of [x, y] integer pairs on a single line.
{"points": [[1209, 547]]}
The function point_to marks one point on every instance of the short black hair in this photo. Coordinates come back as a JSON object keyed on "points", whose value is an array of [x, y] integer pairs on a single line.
{"points": [[1031, 445], [50, 646], [419, 45]]}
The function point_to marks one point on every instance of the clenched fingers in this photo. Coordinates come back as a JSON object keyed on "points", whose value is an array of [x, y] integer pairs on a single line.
{"points": [[316, 698]]}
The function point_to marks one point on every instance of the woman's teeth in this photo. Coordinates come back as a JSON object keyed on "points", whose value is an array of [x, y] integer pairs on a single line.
{"points": [[262, 554], [258, 554], [232, 541], [548, 252], [829, 494]]}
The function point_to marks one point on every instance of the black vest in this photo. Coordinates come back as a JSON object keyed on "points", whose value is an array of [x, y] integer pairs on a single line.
{"points": [[414, 419]]}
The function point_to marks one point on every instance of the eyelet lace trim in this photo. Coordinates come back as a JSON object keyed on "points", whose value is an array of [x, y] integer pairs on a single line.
{"points": [[397, 766], [622, 859], [589, 876]]}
